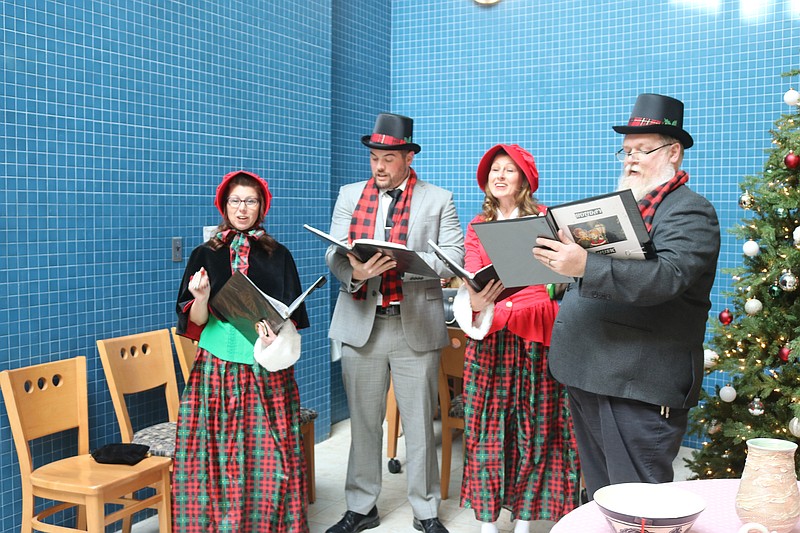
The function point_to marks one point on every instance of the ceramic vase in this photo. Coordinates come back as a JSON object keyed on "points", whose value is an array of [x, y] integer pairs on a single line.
{"points": [[768, 491]]}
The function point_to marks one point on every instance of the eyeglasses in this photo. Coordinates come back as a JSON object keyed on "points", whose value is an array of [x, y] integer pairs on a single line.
{"points": [[622, 154], [235, 202]]}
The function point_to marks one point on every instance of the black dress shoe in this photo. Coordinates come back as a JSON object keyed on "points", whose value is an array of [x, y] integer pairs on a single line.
{"points": [[353, 522], [431, 525]]}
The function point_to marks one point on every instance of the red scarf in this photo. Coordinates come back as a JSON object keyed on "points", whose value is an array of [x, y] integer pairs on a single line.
{"points": [[362, 226], [649, 204]]}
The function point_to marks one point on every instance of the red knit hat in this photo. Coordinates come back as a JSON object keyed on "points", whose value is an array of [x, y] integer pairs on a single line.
{"points": [[522, 158], [222, 190]]}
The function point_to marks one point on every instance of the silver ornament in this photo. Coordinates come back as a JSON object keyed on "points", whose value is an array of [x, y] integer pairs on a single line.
{"points": [[756, 407], [788, 281], [746, 200]]}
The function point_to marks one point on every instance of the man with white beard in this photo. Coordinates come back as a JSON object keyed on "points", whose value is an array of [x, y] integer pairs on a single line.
{"points": [[628, 339]]}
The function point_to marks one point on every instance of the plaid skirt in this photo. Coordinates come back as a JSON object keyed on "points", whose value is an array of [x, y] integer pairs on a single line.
{"points": [[520, 446], [239, 453]]}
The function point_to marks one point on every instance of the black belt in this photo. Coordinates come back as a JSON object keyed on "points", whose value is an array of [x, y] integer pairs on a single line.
{"points": [[392, 310]]}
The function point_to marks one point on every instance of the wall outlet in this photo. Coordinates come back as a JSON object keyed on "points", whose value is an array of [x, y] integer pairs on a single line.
{"points": [[177, 249]]}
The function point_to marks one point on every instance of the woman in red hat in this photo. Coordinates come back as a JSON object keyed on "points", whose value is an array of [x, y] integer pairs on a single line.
{"points": [[239, 454], [520, 448]]}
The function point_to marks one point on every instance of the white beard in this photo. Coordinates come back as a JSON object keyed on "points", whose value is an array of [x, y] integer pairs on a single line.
{"points": [[640, 186]]}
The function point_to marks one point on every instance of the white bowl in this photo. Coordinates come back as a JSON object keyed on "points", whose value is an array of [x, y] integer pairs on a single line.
{"points": [[649, 507]]}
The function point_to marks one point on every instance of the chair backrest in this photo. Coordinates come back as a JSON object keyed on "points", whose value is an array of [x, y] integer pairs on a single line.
{"points": [[43, 400], [451, 373], [187, 350], [138, 363]]}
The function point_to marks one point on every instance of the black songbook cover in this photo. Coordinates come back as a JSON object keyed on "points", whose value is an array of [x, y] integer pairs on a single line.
{"points": [[243, 304]]}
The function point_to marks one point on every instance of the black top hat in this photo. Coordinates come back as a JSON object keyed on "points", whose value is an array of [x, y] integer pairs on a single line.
{"points": [[392, 132], [655, 113]]}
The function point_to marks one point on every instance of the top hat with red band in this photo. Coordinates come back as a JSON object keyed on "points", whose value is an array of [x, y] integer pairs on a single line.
{"points": [[392, 132], [655, 113], [522, 158], [222, 190]]}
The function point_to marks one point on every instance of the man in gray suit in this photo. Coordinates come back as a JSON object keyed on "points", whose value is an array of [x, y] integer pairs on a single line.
{"points": [[391, 322], [628, 339]]}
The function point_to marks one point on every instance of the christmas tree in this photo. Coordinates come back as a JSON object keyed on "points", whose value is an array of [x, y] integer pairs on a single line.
{"points": [[756, 343]]}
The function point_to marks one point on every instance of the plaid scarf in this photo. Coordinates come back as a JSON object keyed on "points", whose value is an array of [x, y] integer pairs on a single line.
{"points": [[240, 246], [362, 226], [649, 204]]}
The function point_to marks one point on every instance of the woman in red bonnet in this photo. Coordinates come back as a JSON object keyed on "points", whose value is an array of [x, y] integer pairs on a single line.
{"points": [[239, 453], [520, 449]]}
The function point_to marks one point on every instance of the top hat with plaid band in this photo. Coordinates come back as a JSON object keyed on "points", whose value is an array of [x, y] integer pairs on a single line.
{"points": [[655, 113], [392, 132]]}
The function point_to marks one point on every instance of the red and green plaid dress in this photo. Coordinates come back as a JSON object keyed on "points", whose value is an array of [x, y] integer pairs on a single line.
{"points": [[239, 453], [520, 448]]}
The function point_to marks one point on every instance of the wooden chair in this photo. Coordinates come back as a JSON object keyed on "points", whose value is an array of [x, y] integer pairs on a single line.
{"points": [[392, 411], [137, 363], [187, 349], [451, 402], [51, 398], [393, 431]]}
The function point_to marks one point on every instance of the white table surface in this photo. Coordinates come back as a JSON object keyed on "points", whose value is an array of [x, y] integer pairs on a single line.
{"points": [[719, 515]]}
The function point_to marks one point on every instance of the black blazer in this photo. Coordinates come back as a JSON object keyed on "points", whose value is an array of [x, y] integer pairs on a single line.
{"points": [[635, 329]]}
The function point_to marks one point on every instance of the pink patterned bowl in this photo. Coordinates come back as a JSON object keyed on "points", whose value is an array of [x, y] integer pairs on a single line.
{"points": [[649, 507]]}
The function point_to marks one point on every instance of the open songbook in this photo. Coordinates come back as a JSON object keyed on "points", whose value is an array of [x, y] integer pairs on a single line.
{"points": [[243, 305], [609, 224], [477, 280], [407, 260]]}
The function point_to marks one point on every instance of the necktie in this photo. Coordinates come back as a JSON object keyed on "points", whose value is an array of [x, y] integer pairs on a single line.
{"points": [[395, 194]]}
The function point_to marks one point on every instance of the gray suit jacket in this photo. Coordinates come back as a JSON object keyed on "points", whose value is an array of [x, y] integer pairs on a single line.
{"points": [[635, 329], [432, 216]]}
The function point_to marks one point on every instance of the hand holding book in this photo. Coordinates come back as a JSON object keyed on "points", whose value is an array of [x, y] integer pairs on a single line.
{"points": [[480, 279], [562, 256]]}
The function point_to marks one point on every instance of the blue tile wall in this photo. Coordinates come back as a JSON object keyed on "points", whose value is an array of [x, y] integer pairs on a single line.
{"points": [[119, 119], [360, 89], [554, 77]]}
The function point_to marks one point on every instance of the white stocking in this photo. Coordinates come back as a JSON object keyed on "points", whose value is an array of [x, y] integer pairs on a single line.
{"points": [[488, 527], [522, 526]]}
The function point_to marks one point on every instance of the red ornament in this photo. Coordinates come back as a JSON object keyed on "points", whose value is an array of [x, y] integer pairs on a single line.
{"points": [[784, 353], [726, 317], [792, 160]]}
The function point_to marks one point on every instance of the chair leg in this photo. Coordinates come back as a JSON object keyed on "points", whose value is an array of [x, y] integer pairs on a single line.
{"points": [[82, 517], [393, 423], [165, 507], [447, 452], [27, 513], [95, 515], [307, 431]]}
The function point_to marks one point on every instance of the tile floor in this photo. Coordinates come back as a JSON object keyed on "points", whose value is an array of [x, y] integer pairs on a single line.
{"points": [[395, 512]]}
